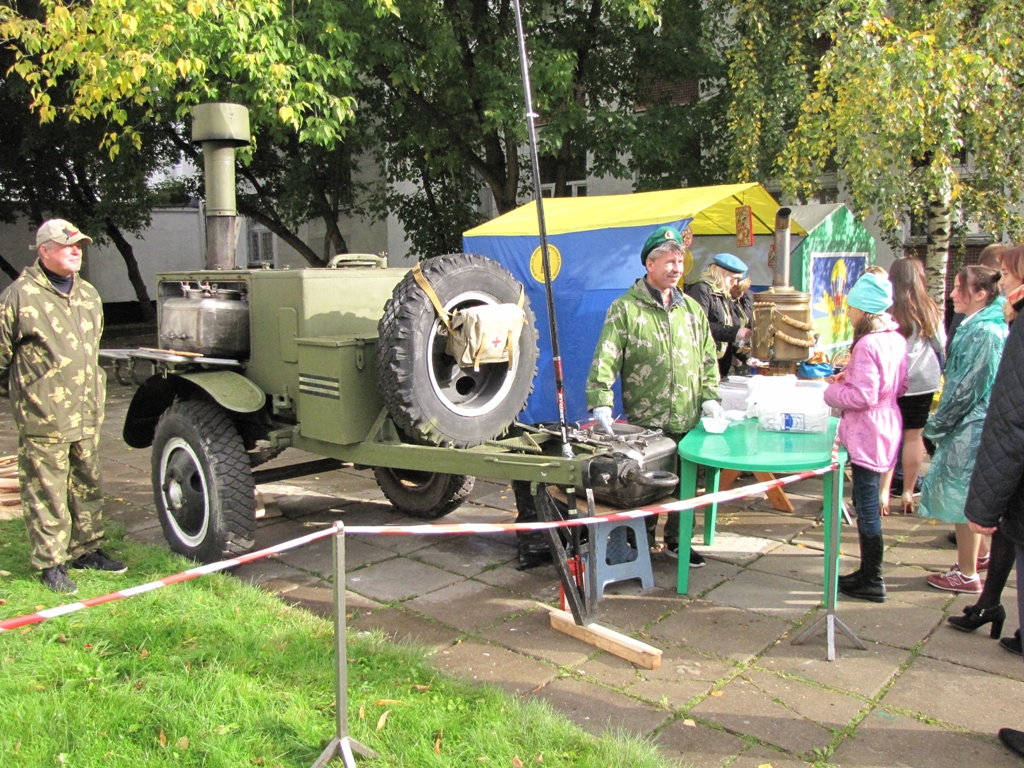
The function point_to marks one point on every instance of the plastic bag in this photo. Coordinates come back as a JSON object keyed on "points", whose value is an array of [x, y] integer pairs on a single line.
{"points": [[800, 410]]}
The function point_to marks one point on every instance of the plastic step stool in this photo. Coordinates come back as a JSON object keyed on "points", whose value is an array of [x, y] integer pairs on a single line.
{"points": [[617, 559]]}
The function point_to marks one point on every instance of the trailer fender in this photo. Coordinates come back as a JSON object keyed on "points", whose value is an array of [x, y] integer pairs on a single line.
{"points": [[228, 389]]}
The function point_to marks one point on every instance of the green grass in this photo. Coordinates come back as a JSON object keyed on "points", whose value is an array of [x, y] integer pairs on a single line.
{"points": [[213, 672]]}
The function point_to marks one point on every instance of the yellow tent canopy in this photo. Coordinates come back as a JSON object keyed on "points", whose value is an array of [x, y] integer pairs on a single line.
{"points": [[713, 210]]}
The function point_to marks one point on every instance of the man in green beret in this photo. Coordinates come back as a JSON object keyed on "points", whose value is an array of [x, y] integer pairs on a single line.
{"points": [[658, 342]]}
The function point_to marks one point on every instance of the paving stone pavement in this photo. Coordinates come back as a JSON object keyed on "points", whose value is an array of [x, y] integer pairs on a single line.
{"points": [[731, 690]]}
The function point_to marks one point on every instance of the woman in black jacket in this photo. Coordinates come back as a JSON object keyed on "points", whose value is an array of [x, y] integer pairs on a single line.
{"points": [[1002, 553], [996, 495], [713, 291]]}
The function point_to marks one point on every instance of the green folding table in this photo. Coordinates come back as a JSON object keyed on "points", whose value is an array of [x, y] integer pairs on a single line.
{"points": [[746, 448]]}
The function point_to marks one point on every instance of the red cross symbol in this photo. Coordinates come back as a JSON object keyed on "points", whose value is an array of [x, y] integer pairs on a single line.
{"points": [[496, 341]]}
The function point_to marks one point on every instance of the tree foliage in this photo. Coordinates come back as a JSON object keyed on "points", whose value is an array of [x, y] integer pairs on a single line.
{"points": [[915, 103], [444, 88], [289, 63]]}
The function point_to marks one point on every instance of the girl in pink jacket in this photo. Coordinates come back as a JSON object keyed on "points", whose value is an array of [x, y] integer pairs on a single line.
{"points": [[870, 426]]}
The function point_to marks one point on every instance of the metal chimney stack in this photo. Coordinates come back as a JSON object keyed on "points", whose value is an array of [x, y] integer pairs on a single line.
{"points": [[780, 278], [783, 330], [220, 128]]}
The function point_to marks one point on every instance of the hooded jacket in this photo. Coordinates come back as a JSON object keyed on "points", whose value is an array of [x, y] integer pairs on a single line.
{"points": [[996, 491], [664, 358], [957, 423], [49, 357], [871, 425]]}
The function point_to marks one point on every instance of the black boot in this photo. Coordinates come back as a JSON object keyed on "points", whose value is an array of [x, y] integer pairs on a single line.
{"points": [[871, 586], [1012, 739], [975, 616], [853, 580]]}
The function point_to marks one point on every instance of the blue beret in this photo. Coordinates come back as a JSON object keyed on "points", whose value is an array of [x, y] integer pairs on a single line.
{"points": [[730, 262]]}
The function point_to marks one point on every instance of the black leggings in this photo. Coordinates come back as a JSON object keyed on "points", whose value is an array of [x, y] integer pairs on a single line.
{"points": [[1001, 559]]}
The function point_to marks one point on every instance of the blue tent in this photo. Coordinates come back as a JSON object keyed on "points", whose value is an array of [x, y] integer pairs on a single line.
{"points": [[594, 250]]}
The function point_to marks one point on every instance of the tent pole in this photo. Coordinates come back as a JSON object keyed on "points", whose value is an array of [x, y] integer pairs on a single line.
{"points": [[556, 357]]}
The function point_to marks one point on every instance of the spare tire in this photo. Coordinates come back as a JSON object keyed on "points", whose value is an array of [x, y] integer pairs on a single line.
{"points": [[430, 397]]}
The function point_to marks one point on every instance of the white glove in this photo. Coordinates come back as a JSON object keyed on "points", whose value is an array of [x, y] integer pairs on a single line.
{"points": [[603, 414], [712, 408]]}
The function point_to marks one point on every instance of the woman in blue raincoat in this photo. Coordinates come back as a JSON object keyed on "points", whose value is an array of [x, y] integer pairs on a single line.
{"points": [[956, 425]]}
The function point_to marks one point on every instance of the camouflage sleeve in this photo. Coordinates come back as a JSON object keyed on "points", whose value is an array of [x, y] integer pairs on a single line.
{"points": [[607, 358], [709, 363], [8, 315]]}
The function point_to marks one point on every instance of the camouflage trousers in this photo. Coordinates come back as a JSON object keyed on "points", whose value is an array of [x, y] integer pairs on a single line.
{"points": [[61, 498]]}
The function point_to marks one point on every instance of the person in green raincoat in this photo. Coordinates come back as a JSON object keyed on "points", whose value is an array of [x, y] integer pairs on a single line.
{"points": [[657, 340], [957, 423]]}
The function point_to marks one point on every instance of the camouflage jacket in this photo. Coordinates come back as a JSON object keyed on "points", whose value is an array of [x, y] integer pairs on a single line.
{"points": [[666, 359], [49, 357]]}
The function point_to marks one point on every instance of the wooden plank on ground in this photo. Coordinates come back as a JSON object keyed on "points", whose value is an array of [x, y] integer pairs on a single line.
{"points": [[639, 653], [777, 496], [9, 484], [10, 499]]}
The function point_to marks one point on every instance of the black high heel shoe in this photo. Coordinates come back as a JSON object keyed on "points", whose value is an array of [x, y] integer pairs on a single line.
{"points": [[976, 616]]}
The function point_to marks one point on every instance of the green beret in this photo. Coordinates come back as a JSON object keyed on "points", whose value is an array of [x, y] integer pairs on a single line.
{"points": [[658, 237]]}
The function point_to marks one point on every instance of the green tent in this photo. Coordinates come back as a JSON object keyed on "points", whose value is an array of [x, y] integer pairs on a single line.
{"points": [[826, 263]]}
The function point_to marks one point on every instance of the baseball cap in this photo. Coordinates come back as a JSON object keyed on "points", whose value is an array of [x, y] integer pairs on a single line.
{"points": [[59, 231]]}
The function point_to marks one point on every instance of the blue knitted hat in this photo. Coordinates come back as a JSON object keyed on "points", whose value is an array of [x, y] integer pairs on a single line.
{"points": [[871, 293]]}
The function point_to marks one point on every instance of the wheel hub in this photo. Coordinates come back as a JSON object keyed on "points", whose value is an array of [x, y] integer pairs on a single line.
{"points": [[185, 492], [462, 390]]}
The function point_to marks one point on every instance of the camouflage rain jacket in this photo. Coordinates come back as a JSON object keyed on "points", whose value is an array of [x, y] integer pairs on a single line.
{"points": [[49, 361], [666, 359]]}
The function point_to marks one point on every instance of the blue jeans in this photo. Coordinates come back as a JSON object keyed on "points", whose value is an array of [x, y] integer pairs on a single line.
{"points": [[865, 498]]}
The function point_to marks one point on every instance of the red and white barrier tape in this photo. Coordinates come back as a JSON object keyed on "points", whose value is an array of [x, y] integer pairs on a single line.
{"points": [[676, 506]]}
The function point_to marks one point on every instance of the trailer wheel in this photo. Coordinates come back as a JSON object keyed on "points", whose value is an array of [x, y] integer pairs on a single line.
{"points": [[426, 495], [205, 495], [429, 396]]}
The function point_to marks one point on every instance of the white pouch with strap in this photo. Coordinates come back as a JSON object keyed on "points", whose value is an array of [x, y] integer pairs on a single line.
{"points": [[488, 333]]}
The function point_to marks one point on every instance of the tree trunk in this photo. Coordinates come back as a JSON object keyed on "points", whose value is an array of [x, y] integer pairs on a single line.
{"points": [[8, 270], [937, 250], [283, 232], [134, 275]]}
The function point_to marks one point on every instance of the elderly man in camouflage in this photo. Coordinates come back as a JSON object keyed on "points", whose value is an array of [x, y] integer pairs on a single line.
{"points": [[658, 341], [50, 326]]}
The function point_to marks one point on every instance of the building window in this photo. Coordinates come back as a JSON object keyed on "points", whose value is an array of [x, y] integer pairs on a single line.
{"points": [[576, 176], [572, 189], [261, 244]]}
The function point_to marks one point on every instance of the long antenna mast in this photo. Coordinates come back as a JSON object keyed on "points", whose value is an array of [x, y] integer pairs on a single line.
{"points": [[556, 357]]}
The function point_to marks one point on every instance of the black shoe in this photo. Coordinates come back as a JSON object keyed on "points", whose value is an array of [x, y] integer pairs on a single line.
{"points": [[1012, 644], [56, 578], [1012, 739], [696, 558], [975, 616], [98, 561]]}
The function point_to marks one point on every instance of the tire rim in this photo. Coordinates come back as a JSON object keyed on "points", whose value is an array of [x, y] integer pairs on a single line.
{"points": [[464, 391], [184, 492]]}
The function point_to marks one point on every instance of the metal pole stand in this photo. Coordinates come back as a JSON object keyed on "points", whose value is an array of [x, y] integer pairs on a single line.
{"points": [[341, 745], [830, 621]]}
